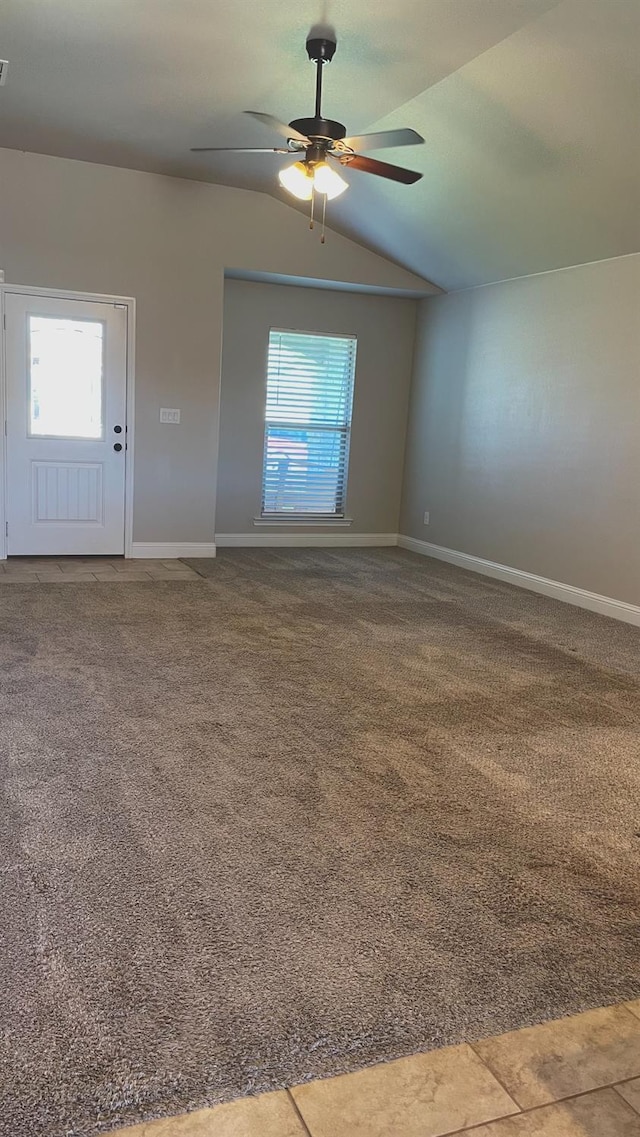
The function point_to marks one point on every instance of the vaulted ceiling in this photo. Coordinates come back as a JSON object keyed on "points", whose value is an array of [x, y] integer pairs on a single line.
{"points": [[530, 110]]}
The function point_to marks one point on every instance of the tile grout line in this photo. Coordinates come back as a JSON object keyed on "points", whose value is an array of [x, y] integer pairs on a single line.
{"points": [[616, 1088], [536, 1108], [498, 1079], [568, 1097], [301, 1119], [100, 577], [547, 1105]]}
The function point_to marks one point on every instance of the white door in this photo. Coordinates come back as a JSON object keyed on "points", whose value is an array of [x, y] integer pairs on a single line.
{"points": [[66, 427]]}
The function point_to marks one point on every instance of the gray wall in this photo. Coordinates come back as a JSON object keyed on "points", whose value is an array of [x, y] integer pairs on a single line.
{"points": [[167, 242], [385, 329], [524, 426]]}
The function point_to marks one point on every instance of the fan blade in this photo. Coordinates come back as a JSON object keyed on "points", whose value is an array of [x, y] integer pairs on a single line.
{"points": [[281, 127], [382, 169], [239, 150], [382, 138]]}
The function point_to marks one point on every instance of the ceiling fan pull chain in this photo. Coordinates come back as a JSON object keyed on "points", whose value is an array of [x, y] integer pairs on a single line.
{"points": [[324, 210], [313, 199]]}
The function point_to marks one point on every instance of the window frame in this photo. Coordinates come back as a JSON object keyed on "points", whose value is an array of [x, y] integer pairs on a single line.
{"points": [[298, 516]]}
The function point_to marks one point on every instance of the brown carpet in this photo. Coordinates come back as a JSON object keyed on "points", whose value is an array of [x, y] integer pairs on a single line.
{"points": [[316, 810]]}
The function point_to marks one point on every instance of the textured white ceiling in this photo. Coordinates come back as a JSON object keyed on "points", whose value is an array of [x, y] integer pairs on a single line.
{"points": [[530, 110]]}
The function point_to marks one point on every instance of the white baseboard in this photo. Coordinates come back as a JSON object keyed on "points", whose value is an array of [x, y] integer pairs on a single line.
{"points": [[605, 605], [149, 550], [293, 540]]}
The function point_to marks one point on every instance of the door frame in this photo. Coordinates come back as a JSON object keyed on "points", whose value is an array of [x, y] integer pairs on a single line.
{"points": [[127, 302]]}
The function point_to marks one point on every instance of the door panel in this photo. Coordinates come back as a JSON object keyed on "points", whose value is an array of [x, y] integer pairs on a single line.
{"points": [[66, 428], [67, 491]]}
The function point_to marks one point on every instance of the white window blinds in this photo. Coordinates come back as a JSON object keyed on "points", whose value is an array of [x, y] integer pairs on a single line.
{"points": [[307, 424]]}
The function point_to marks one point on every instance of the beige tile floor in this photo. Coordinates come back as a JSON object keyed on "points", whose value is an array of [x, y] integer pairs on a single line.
{"points": [[576, 1077], [76, 570]]}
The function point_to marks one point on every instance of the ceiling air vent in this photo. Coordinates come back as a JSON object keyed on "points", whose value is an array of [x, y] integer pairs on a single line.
{"points": [[4, 67]]}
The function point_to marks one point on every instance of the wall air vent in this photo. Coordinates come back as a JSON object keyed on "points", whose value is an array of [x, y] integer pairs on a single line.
{"points": [[4, 67]]}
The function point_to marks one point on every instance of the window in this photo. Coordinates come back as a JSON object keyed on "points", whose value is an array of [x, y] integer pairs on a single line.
{"points": [[65, 377], [307, 424]]}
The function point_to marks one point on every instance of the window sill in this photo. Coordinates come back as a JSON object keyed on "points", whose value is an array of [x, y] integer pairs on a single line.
{"points": [[307, 522]]}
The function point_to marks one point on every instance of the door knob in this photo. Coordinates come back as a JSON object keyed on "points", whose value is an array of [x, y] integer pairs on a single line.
{"points": [[117, 430], [117, 446]]}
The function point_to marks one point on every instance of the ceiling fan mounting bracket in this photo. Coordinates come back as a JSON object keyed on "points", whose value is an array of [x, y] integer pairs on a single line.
{"points": [[321, 50]]}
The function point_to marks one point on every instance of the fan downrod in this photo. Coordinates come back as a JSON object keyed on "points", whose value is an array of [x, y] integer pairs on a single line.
{"points": [[321, 50]]}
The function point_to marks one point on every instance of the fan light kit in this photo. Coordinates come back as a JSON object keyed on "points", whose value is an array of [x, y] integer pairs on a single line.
{"points": [[303, 180], [320, 144]]}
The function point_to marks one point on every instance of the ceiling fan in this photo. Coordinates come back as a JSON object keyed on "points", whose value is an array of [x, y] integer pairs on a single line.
{"points": [[317, 139]]}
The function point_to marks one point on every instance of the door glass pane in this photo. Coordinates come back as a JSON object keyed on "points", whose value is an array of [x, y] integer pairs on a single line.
{"points": [[65, 377]]}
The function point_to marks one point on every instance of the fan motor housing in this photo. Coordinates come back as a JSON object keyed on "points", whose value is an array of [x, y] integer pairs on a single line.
{"points": [[320, 128]]}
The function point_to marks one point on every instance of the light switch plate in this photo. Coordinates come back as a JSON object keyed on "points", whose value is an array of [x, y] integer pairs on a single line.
{"points": [[168, 414]]}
